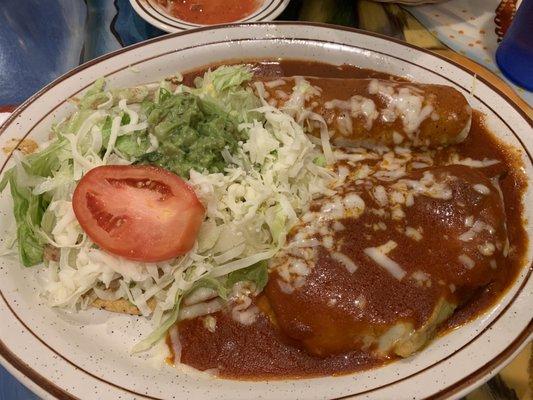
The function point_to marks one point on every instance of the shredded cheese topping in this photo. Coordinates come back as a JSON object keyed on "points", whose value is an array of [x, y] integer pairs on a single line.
{"points": [[379, 256]]}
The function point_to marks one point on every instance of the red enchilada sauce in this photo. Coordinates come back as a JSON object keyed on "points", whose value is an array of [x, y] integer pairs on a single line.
{"points": [[210, 12], [262, 349]]}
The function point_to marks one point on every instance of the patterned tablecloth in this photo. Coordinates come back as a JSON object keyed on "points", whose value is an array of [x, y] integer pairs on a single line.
{"points": [[40, 40], [471, 28]]}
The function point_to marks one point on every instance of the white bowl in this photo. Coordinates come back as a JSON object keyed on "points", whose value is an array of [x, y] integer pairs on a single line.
{"points": [[154, 14], [87, 355]]}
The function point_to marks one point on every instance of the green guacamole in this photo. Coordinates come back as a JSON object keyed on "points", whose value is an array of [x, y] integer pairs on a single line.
{"points": [[191, 132]]}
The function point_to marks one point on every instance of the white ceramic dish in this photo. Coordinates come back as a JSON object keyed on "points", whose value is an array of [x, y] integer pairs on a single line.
{"points": [[87, 355], [154, 14]]}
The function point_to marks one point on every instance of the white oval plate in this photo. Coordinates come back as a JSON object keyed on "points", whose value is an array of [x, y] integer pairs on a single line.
{"points": [[87, 355], [154, 14]]}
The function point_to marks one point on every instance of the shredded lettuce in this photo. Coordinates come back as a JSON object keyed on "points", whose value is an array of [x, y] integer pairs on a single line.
{"points": [[29, 207], [160, 332], [224, 78], [28, 211], [257, 273], [132, 95], [224, 87], [48, 160], [94, 96]]}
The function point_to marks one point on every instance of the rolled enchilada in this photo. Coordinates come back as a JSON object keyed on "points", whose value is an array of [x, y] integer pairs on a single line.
{"points": [[384, 265], [373, 111]]}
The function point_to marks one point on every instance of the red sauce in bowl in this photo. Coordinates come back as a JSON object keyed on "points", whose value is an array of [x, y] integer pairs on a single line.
{"points": [[210, 12]]}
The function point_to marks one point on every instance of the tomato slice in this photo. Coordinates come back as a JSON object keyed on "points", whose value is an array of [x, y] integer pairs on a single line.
{"points": [[142, 213]]}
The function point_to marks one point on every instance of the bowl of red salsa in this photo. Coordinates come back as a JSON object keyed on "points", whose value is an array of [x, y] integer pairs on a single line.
{"points": [[179, 15]]}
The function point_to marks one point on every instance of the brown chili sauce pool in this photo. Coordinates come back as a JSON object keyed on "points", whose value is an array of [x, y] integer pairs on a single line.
{"points": [[260, 350]]}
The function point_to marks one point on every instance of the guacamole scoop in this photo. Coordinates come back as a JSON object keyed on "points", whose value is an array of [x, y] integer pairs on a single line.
{"points": [[192, 133]]}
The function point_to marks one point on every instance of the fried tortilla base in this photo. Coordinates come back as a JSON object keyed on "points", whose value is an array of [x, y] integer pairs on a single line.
{"points": [[121, 306]]}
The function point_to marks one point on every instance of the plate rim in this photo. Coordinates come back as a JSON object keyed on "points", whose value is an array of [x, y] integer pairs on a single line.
{"points": [[474, 378]]}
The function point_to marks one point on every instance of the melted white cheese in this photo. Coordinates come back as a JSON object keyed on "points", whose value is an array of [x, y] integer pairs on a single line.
{"points": [[466, 261], [346, 261], [380, 258], [480, 188], [405, 103]]}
